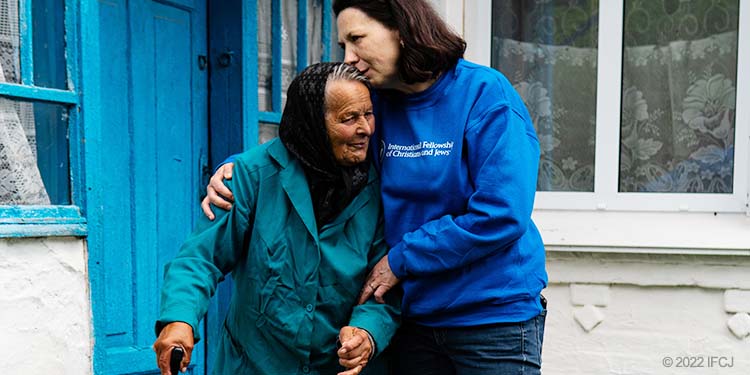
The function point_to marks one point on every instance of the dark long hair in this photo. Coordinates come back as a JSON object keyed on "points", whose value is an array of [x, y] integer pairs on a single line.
{"points": [[430, 46]]}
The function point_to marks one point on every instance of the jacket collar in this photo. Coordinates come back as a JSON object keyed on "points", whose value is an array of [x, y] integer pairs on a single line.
{"points": [[295, 185]]}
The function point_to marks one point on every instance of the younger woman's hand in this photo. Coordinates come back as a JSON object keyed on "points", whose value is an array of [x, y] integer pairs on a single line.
{"points": [[217, 193]]}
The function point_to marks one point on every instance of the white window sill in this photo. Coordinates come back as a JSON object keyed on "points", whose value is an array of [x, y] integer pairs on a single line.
{"points": [[644, 232]]}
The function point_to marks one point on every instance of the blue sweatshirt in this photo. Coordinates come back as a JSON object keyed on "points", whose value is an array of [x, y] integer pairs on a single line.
{"points": [[458, 166]]}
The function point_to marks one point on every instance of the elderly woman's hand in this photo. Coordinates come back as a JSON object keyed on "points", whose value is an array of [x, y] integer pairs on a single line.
{"points": [[176, 334], [380, 280], [356, 349], [217, 193]]}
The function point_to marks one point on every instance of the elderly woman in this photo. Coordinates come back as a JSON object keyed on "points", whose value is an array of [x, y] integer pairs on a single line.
{"points": [[304, 230]]}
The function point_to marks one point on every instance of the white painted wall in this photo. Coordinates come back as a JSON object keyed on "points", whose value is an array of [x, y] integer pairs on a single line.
{"points": [[638, 309], [45, 310], [645, 310]]}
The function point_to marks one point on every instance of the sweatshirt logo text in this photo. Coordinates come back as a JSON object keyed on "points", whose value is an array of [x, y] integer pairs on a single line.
{"points": [[418, 150]]}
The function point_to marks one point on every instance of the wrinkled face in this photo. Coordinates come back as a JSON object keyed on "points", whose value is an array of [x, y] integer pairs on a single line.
{"points": [[369, 46], [349, 120]]}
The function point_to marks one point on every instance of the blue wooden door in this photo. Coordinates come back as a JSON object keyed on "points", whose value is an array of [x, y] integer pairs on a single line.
{"points": [[155, 132]]}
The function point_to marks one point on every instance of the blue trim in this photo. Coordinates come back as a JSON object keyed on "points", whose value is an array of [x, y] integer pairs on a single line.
{"points": [[269, 117], [276, 63], [326, 32], [301, 35], [43, 230], [72, 9], [76, 135], [41, 221], [76, 139], [249, 74], [92, 121], [38, 93], [27, 41], [40, 215]]}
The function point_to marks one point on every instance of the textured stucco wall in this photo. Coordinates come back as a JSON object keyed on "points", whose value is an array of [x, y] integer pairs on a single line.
{"points": [[45, 313], [646, 314], [608, 313]]}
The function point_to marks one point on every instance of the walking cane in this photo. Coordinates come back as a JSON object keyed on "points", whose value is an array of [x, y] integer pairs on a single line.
{"points": [[175, 359]]}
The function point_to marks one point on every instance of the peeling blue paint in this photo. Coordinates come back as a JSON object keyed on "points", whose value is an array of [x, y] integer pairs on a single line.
{"points": [[43, 230], [38, 93], [41, 221], [269, 117], [27, 51]]}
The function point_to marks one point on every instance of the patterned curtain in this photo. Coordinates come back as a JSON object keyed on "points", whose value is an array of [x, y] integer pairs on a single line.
{"points": [[548, 50], [20, 180], [678, 96]]}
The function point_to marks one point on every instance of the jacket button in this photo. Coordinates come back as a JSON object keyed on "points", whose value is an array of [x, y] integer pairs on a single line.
{"points": [[305, 369], [309, 307]]}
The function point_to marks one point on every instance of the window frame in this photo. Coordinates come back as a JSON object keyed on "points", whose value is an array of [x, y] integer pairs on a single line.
{"points": [[606, 196], [50, 220], [255, 117]]}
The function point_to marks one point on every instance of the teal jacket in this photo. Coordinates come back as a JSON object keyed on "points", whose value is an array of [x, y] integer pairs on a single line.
{"points": [[295, 285]]}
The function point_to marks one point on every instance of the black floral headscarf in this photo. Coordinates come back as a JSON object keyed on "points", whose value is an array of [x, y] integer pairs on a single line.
{"points": [[303, 132]]}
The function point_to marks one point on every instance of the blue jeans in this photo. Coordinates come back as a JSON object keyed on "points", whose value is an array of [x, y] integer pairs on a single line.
{"points": [[497, 349]]}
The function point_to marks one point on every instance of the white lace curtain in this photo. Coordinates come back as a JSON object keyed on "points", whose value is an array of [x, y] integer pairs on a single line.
{"points": [[558, 85], [20, 180], [678, 94]]}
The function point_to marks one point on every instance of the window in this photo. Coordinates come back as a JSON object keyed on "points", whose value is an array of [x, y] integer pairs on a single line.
{"points": [[39, 141], [636, 103], [283, 51], [679, 85]]}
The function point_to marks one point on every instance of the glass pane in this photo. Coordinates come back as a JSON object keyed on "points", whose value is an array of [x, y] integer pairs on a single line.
{"points": [[49, 43], [10, 57], [264, 56], [315, 31], [34, 161], [288, 47], [336, 52], [678, 96], [267, 132], [548, 50]]}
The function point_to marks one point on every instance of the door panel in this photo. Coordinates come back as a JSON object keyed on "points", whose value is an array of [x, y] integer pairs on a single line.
{"points": [[159, 138]]}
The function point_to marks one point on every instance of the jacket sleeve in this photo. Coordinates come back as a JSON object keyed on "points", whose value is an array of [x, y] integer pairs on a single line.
{"points": [[380, 320], [503, 156], [210, 252]]}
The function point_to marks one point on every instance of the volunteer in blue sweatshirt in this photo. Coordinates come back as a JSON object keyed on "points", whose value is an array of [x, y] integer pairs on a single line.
{"points": [[458, 157]]}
